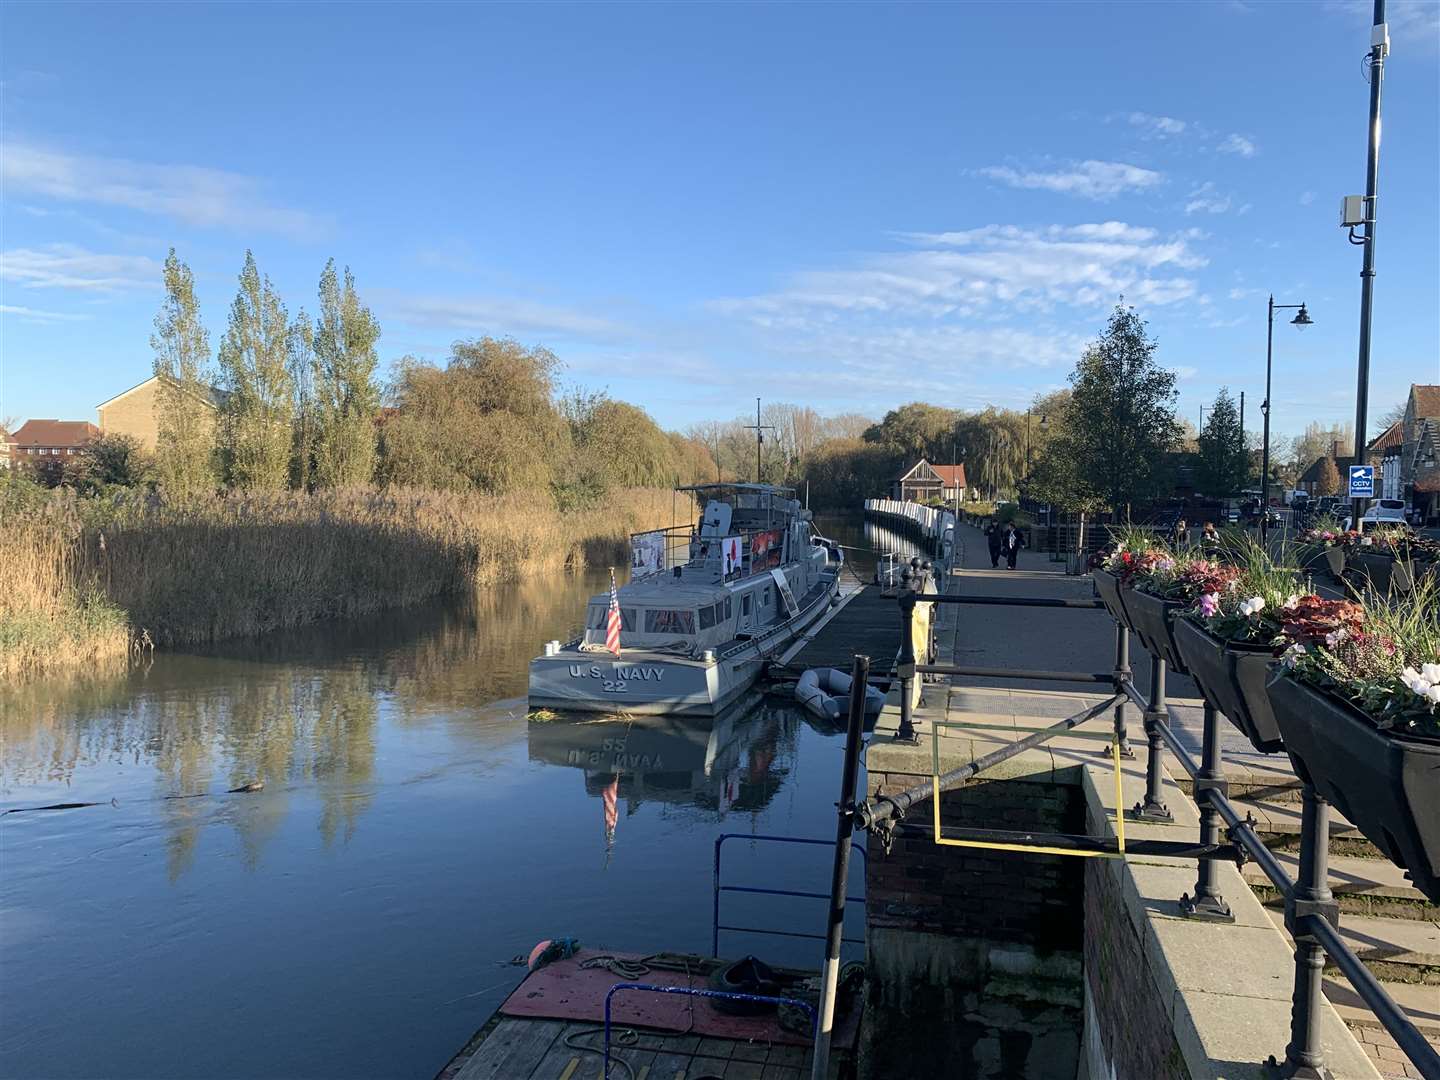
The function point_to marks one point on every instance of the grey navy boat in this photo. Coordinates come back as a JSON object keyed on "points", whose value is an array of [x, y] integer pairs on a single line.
{"points": [[706, 607]]}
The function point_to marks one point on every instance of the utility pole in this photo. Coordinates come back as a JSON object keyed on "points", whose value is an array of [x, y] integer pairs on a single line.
{"points": [[759, 430], [1379, 47]]}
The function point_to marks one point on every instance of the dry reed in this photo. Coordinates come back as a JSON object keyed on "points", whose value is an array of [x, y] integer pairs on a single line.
{"points": [[90, 573]]}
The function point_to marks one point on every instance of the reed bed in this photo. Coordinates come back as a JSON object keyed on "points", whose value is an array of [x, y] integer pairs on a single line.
{"points": [[98, 574]]}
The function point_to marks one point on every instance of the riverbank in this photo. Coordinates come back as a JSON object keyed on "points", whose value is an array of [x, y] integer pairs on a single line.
{"points": [[82, 580]]}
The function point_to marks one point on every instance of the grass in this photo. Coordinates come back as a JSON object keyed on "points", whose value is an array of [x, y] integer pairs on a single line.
{"points": [[80, 579]]}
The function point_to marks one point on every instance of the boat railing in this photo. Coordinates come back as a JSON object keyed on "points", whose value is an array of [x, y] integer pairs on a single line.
{"points": [[658, 551]]}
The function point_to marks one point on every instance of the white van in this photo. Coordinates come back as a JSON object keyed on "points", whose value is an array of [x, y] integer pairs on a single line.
{"points": [[1384, 512]]}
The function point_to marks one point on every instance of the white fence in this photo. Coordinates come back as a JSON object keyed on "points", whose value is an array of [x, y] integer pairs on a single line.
{"points": [[937, 525]]}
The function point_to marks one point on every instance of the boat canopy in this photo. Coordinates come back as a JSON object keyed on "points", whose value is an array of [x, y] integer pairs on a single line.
{"points": [[661, 613]]}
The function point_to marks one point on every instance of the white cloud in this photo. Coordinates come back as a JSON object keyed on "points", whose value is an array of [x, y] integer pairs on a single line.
{"points": [[989, 271], [1306, 198], [37, 316], [192, 194], [1238, 144], [67, 266], [497, 315], [1185, 371], [1157, 125], [1085, 179], [1409, 20], [1206, 199]]}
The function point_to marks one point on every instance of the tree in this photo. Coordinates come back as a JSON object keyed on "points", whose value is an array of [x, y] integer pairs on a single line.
{"points": [[914, 431], [347, 399], [1120, 424], [1328, 483], [258, 408], [300, 358], [1318, 440], [616, 444], [109, 461], [487, 420], [184, 401], [1224, 461]]}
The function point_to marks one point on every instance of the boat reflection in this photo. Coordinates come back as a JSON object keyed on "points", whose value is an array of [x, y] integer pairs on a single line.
{"points": [[735, 762]]}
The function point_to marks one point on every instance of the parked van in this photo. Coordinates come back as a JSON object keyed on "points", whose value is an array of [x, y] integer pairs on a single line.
{"points": [[1384, 512]]}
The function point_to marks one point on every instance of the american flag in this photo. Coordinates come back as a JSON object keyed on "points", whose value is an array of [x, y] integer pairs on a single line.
{"points": [[612, 620]]}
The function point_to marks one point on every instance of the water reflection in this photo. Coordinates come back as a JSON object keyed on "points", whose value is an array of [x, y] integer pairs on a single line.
{"points": [[734, 762]]}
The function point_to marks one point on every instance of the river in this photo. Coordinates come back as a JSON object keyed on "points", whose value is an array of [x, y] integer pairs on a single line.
{"points": [[356, 915]]}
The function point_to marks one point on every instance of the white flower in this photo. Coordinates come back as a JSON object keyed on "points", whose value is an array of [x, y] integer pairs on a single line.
{"points": [[1292, 601], [1335, 637], [1432, 694], [1253, 606], [1365, 541], [1430, 672], [1415, 681], [1290, 655]]}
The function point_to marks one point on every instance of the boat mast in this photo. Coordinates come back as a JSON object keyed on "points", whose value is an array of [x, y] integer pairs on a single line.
{"points": [[759, 430]]}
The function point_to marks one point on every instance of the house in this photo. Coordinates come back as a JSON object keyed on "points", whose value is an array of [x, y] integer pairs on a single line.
{"points": [[1384, 452], [7, 443], [924, 482], [133, 412], [1420, 452], [44, 446], [1310, 479]]}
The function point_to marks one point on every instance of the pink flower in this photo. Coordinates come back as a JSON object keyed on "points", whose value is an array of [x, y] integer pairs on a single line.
{"points": [[1210, 604]]}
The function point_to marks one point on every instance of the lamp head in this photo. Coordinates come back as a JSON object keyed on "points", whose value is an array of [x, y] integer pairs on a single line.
{"points": [[1302, 319]]}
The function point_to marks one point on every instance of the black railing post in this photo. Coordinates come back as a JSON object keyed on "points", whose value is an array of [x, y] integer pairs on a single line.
{"points": [[1207, 903], [1310, 899], [1122, 676], [840, 874], [905, 666], [1152, 808]]}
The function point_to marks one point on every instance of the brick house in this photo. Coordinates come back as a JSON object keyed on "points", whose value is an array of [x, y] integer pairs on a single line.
{"points": [[44, 446], [1420, 451], [1310, 479], [923, 482], [132, 412]]}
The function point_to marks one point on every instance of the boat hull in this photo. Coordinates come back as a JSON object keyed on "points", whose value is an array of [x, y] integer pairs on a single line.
{"points": [[654, 683]]}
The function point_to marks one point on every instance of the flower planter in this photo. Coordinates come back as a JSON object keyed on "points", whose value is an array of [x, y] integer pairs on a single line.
{"points": [[1314, 561], [1385, 573], [1335, 563], [1386, 784], [1110, 589], [1154, 620], [1232, 678]]}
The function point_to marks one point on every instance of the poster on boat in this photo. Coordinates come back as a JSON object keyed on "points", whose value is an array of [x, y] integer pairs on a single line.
{"points": [[765, 549], [647, 553], [732, 555]]}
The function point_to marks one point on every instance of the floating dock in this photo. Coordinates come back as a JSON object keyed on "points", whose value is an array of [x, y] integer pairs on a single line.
{"points": [[868, 622], [552, 1027]]}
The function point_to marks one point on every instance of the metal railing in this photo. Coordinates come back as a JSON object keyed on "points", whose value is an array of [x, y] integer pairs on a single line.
{"points": [[719, 887], [1311, 912]]}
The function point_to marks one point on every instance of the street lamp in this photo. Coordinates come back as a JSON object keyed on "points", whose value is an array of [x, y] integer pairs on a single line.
{"points": [[1301, 320]]}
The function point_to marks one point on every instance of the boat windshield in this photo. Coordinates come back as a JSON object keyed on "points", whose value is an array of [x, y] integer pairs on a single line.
{"points": [[598, 612], [669, 621]]}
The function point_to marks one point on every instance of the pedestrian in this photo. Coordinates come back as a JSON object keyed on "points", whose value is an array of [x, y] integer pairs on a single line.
{"points": [[992, 541], [1182, 533], [1012, 544], [1209, 538]]}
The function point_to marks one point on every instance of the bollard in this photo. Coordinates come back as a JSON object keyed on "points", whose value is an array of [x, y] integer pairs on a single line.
{"points": [[905, 666], [1207, 903], [1305, 1056], [840, 873], [1152, 808], [1122, 676]]}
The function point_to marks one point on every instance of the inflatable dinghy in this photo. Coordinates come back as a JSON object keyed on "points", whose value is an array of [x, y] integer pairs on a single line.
{"points": [[826, 693]]}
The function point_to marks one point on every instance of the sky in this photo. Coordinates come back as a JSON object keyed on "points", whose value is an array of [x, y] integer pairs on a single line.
{"points": [[848, 206]]}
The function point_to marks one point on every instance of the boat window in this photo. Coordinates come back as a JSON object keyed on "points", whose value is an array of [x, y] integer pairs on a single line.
{"points": [[745, 604], [707, 617], [669, 622], [767, 595], [598, 613], [727, 607], [597, 616]]}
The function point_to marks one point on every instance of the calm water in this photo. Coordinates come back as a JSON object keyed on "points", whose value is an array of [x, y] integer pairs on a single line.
{"points": [[415, 832]]}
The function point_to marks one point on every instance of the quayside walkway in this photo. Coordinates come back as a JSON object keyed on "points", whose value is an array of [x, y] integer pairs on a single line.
{"points": [[1020, 963]]}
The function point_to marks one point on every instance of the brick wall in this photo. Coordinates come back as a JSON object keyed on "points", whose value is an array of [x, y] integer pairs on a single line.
{"points": [[133, 415], [974, 954]]}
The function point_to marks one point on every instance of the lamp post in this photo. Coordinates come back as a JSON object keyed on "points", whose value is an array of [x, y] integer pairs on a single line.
{"points": [[1301, 320]]}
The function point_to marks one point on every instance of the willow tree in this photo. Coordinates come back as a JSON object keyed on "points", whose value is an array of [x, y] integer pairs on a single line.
{"points": [[258, 408], [347, 399], [184, 400]]}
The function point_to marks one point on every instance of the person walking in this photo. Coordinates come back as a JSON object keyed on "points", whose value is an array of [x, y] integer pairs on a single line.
{"points": [[1182, 533], [992, 541], [1209, 538], [1012, 543]]}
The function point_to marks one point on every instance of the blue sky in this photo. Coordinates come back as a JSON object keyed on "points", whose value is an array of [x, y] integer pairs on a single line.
{"points": [[848, 206]]}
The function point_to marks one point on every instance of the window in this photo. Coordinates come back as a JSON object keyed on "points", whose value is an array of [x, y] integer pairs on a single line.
{"points": [[600, 612], [727, 607], [767, 595], [707, 617], [745, 604], [662, 621]]}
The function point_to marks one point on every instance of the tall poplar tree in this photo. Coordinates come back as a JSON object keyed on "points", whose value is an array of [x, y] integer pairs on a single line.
{"points": [[184, 402], [259, 406], [1224, 461], [347, 400]]}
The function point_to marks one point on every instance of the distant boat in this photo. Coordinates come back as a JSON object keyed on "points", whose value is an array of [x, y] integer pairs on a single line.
{"points": [[705, 608]]}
